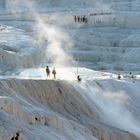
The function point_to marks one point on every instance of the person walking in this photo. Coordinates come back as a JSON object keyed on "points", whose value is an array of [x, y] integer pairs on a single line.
{"points": [[78, 18], [75, 18], [83, 19], [54, 73], [48, 71]]}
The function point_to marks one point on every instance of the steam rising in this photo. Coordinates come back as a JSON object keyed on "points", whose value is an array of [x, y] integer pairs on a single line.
{"points": [[54, 41], [57, 43], [111, 107]]}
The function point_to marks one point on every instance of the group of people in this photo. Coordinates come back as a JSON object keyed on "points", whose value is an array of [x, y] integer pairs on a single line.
{"points": [[54, 73], [126, 76], [80, 19], [48, 72], [78, 77]]}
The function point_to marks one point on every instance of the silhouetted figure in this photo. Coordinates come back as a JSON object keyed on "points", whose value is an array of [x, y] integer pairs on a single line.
{"points": [[119, 76], [48, 71], [132, 76], [78, 78], [54, 73], [17, 136], [75, 18], [78, 19], [13, 138], [84, 18]]}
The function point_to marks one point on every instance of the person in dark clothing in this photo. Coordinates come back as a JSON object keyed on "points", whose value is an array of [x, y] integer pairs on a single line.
{"points": [[75, 18], [84, 18], [78, 78], [119, 76], [48, 71], [54, 73], [17, 136], [78, 19]]}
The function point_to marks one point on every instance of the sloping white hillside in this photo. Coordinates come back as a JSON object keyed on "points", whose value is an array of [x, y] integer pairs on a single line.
{"points": [[34, 107], [101, 35], [17, 49]]}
